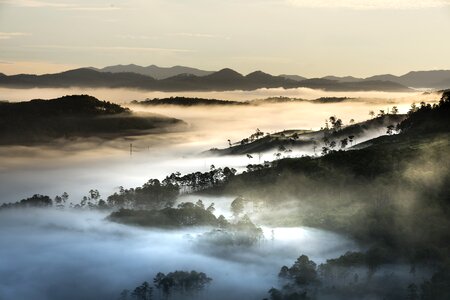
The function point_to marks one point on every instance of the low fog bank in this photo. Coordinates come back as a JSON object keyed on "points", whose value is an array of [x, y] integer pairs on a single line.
{"points": [[75, 254], [123, 96], [51, 172], [77, 166]]}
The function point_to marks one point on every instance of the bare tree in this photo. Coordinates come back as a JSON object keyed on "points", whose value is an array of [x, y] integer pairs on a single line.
{"points": [[394, 110]]}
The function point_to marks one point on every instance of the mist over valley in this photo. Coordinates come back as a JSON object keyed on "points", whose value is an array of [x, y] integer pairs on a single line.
{"points": [[224, 150]]}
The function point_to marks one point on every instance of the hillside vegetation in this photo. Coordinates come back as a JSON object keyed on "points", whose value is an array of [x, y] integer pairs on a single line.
{"points": [[393, 195], [42, 121]]}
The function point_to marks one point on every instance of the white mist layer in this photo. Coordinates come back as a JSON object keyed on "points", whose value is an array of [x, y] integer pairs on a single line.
{"points": [[121, 95], [51, 254], [76, 167]]}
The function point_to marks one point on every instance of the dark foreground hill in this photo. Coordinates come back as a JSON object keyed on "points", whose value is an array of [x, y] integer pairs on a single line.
{"points": [[41, 121]]}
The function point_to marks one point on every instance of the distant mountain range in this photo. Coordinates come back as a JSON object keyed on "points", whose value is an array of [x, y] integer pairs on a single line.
{"points": [[438, 79], [225, 79], [154, 71], [181, 78], [420, 79]]}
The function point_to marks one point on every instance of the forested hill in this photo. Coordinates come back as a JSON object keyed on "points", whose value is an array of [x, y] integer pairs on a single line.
{"points": [[75, 105], [186, 101], [428, 119], [393, 195], [342, 137], [42, 121], [189, 101]]}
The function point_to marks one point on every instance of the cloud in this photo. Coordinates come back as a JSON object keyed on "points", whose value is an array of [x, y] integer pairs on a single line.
{"points": [[144, 49], [56, 5], [113, 48], [137, 37], [199, 35], [370, 4], [10, 35], [94, 8], [71, 255], [35, 67], [35, 3], [196, 35]]}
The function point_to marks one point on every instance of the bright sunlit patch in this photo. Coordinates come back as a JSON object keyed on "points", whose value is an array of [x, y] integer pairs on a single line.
{"points": [[284, 233]]}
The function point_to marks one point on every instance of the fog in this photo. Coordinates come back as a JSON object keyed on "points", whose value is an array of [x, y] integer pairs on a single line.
{"points": [[78, 254], [77, 166], [75, 254], [122, 95]]}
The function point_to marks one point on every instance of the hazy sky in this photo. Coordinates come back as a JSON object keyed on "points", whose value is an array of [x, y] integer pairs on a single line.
{"points": [[305, 37]]}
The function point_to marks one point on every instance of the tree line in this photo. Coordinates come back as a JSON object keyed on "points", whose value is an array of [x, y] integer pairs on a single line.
{"points": [[173, 284]]}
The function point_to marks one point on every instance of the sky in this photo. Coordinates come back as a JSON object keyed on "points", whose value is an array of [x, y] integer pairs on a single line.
{"points": [[311, 38]]}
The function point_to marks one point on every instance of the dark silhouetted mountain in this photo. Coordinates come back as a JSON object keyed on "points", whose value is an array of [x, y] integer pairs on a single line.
{"points": [[419, 79], [43, 121], [225, 75], [426, 78], [373, 85], [366, 85], [78, 77], [154, 71], [226, 79], [181, 78], [261, 79], [384, 77], [439, 79], [293, 77], [343, 79]]}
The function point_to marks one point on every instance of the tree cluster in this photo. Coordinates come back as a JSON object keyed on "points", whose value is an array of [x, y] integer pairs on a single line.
{"points": [[186, 214], [152, 195], [198, 181], [173, 284], [34, 201]]}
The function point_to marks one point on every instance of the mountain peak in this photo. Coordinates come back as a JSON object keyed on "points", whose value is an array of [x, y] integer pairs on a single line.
{"points": [[258, 73], [293, 77], [154, 71], [226, 73]]}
